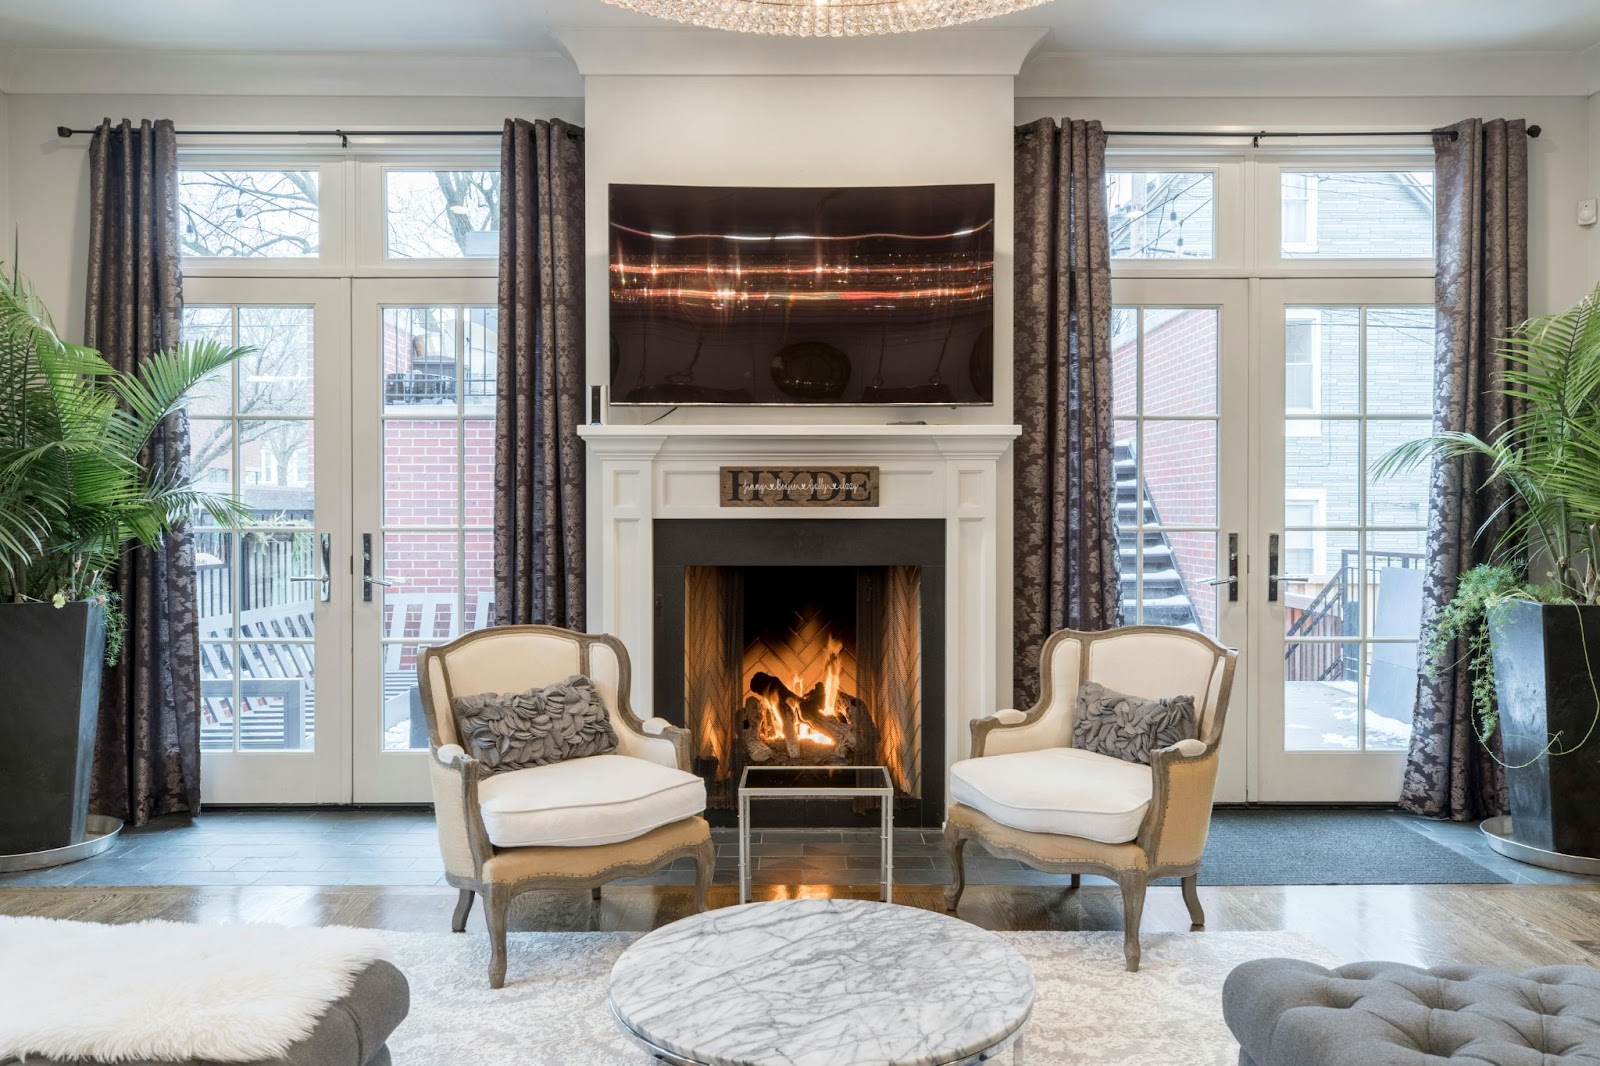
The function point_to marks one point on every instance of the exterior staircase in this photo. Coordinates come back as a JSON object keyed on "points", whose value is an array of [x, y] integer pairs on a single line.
{"points": [[1165, 601]]}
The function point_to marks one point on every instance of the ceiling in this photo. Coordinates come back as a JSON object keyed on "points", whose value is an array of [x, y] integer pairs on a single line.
{"points": [[508, 26]]}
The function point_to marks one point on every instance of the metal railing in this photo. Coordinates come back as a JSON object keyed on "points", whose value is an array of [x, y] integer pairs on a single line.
{"points": [[433, 380], [265, 563], [1335, 611]]}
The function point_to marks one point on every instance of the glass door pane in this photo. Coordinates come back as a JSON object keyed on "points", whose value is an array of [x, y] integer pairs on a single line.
{"points": [[1167, 454]]}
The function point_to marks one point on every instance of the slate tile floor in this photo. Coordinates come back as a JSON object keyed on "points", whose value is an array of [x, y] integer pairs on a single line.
{"points": [[395, 846]]}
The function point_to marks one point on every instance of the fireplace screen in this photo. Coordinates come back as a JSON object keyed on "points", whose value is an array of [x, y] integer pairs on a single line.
{"points": [[803, 666]]}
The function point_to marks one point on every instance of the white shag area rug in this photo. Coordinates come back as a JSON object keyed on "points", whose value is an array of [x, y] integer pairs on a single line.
{"points": [[165, 990], [1089, 1011]]}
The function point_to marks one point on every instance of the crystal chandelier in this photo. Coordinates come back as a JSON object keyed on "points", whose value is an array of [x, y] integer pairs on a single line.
{"points": [[825, 18]]}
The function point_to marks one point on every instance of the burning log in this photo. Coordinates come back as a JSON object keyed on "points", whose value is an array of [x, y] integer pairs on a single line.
{"points": [[781, 727]]}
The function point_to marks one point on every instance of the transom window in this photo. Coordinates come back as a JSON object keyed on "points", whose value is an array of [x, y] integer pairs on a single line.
{"points": [[1161, 214], [441, 214], [249, 214], [1357, 214]]}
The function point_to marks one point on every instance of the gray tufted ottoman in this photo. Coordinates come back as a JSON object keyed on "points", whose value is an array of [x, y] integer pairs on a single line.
{"points": [[1285, 1012]]}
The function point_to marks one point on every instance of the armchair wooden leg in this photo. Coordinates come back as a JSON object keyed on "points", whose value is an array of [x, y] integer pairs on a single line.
{"points": [[1191, 897], [496, 904], [594, 894], [954, 845], [1077, 881], [705, 863], [1133, 886], [458, 921]]}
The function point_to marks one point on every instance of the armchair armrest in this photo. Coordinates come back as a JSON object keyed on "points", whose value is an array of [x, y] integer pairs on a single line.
{"points": [[656, 740], [1183, 783], [1011, 730], [463, 840]]}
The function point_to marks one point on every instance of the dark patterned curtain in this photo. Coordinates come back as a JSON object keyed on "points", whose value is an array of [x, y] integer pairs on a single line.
{"points": [[147, 755], [538, 470], [1066, 538], [1481, 191]]}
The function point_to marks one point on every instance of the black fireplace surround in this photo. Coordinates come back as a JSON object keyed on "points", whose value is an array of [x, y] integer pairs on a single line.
{"points": [[808, 542]]}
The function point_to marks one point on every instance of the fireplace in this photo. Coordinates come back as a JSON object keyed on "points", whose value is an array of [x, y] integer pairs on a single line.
{"points": [[802, 642]]}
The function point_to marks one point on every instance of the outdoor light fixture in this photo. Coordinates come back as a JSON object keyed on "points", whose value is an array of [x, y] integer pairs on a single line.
{"points": [[825, 18]]}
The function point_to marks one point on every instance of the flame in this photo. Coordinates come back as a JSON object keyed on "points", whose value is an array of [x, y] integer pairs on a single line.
{"points": [[831, 705], [774, 724]]}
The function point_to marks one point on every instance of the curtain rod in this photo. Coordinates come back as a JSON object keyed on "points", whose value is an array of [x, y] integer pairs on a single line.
{"points": [[1255, 138], [343, 135]]}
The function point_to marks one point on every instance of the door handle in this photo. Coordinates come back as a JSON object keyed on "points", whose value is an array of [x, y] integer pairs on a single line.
{"points": [[1272, 568], [367, 580], [325, 581], [1231, 578]]}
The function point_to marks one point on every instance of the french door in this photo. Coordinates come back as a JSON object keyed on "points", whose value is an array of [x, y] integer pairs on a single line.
{"points": [[1344, 374], [273, 596], [360, 437], [1249, 416], [1179, 399]]}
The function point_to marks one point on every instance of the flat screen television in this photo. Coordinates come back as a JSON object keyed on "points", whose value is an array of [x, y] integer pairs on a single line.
{"points": [[877, 295]]}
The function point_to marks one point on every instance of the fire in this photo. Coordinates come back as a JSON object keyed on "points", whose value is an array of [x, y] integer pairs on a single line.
{"points": [[830, 680], [774, 724], [782, 723], [805, 732]]}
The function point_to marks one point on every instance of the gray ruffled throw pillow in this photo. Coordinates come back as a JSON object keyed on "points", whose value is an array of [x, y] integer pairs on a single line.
{"points": [[1127, 727], [515, 730]]}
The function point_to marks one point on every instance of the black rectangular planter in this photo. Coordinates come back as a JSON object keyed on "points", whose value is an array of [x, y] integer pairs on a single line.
{"points": [[50, 664], [1542, 677]]}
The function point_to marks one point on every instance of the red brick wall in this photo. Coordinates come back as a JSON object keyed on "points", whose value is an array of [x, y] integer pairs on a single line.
{"points": [[1180, 457], [422, 464]]}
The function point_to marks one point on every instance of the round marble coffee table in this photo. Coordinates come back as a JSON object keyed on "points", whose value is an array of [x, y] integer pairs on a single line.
{"points": [[822, 982]]}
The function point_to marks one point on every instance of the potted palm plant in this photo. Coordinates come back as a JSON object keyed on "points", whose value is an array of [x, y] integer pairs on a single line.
{"points": [[75, 492], [1528, 621]]}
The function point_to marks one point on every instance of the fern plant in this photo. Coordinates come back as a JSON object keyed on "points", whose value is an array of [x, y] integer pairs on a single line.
{"points": [[1548, 455], [75, 487]]}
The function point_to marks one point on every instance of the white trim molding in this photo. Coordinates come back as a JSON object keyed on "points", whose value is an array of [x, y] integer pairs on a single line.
{"points": [[637, 474], [183, 73], [1084, 74]]}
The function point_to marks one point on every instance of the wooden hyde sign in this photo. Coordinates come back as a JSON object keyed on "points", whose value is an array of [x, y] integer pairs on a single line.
{"points": [[754, 486]]}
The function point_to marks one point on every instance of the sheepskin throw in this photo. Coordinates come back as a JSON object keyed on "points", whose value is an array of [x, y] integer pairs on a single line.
{"points": [[168, 991], [1127, 727], [566, 720]]}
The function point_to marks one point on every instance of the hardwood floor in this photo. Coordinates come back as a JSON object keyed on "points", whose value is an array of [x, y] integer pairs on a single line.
{"points": [[1518, 926]]}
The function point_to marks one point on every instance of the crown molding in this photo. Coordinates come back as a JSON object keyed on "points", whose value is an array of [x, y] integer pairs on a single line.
{"points": [[1591, 68], [1084, 74], [184, 73], [688, 52]]}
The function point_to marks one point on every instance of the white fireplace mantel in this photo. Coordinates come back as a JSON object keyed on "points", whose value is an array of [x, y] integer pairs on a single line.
{"points": [[954, 473]]}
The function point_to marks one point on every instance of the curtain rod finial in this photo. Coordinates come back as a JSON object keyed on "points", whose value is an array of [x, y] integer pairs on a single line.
{"points": [[1534, 131], [63, 131]]}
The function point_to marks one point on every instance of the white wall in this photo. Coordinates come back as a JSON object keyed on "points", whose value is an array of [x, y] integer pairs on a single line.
{"points": [[800, 130], [1593, 190], [1563, 162], [48, 177]]}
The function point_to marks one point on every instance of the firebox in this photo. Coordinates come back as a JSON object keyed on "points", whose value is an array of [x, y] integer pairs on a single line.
{"points": [[801, 642]]}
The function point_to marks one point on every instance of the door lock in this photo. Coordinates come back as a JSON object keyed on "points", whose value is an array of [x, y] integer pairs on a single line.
{"points": [[367, 580]]}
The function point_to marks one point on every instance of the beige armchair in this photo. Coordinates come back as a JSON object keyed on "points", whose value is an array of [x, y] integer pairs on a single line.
{"points": [[573, 824], [1028, 794]]}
